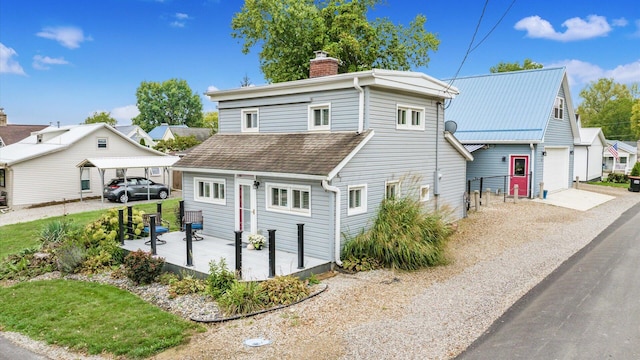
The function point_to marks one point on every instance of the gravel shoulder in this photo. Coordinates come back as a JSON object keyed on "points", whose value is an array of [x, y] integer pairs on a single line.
{"points": [[496, 256]]}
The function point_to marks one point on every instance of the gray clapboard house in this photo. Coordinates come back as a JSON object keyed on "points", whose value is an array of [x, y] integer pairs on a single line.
{"points": [[520, 128], [324, 152]]}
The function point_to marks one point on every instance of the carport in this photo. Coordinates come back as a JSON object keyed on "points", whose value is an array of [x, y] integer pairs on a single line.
{"points": [[125, 163]]}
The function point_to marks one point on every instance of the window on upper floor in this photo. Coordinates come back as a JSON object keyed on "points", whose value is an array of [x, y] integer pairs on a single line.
{"points": [[209, 190], [320, 117], [410, 118], [295, 199], [102, 143], [558, 109], [250, 120], [392, 189], [357, 199]]}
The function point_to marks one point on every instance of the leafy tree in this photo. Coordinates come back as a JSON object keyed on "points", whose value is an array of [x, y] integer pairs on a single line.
{"points": [[289, 31], [609, 105], [528, 64], [172, 102], [101, 117], [211, 121], [635, 118], [178, 144]]}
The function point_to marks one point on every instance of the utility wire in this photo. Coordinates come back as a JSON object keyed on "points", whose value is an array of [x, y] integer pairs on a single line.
{"points": [[494, 26], [484, 8]]}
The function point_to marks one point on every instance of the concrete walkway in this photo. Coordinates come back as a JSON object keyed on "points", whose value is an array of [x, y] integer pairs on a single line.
{"points": [[575, 199]]}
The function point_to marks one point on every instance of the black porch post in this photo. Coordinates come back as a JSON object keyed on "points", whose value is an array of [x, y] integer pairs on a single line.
{"points": [[189, 244], [152, 233], [300, 246], [130, 221], [272, 253], [239, 254], [181, 204], [121, 225]]}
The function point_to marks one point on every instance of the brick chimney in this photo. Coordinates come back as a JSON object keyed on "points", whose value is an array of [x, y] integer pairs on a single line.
{"points": [[3, 117], [323, 65]]}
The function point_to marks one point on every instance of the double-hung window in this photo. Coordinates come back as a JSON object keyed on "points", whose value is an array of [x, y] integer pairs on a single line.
{"points": [[320, 117], [357, 202], [410, 117], [250, 120], [102, 143], [85, 179], [558, 109], [209, 190], [392, 189], [295, 199]]}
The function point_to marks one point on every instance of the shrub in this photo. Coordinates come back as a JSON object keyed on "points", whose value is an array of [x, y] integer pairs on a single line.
{"points": [[635, 171], [284, 290], [354, 264], [220, 279], [69, 257], [617, 178], [403, 236], [56, 232], [167, 278], [242, 298], [26, 264], [188, 284], [142, 267]]}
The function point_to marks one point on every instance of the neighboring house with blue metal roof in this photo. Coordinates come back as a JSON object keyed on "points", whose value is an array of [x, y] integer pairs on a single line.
{"points": [[137, 134], [522, 125]]}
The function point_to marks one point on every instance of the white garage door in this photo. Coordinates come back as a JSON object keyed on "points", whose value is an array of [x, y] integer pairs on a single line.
{"points": [[556, 169]]}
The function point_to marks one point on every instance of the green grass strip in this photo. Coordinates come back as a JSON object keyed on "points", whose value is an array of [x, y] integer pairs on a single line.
{"points": [[90, 317]]}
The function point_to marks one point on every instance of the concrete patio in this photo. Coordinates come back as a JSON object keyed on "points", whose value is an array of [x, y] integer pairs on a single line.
{"points": [[255, 263]]}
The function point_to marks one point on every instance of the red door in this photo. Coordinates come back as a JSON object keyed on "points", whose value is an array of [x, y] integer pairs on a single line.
{"points": [[519, 174]]}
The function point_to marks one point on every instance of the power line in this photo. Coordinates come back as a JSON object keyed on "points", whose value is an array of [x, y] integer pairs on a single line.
{"points": [[495, 26], [484, 8]]}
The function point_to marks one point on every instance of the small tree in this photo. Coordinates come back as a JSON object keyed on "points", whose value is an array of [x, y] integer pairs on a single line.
{"points": [[101, 117], [636, 169]]}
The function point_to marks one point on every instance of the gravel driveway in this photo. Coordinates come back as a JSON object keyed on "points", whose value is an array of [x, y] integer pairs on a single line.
{"points": [[496, 256]]}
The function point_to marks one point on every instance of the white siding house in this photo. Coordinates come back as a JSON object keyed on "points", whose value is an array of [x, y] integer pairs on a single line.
{"points": [[587, 164], [43, 167]]}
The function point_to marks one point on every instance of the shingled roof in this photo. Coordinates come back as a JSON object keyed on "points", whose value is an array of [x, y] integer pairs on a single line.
{"points": [[12, 133], [308, 154]]}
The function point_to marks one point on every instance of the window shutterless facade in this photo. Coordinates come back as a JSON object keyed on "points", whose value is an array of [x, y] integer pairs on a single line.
{"points": [[410, 117], [320, 117], [357, 202], [250, 121], [293, 199], [392, 189], [102, 143], [558, 109], [210, 190]]}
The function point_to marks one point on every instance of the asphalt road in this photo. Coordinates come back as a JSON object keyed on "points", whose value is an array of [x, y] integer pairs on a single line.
{"points": [[588, 308], [11, 351]]}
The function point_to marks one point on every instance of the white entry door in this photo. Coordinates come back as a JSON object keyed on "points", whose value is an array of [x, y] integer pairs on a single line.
{"points": [[245, 203]]}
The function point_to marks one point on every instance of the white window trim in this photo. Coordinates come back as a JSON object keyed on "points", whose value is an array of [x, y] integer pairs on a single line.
{"points": [[289, 209], [88, 177], [106, 142], [410, 108], [157, 171], [243, 124], [561, 108], [392, 182], [424, 198], [210, 200], [362, 209], [312, 126]]}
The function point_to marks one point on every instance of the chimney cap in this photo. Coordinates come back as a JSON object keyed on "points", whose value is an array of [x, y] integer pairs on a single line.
{"points": [[321, 54]]}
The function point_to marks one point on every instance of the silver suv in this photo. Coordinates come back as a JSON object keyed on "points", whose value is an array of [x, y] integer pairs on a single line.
{"points": [[136, 188]]}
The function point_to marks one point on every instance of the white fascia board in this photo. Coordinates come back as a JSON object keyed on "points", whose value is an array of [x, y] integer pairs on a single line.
{"points": [[458, 145]]}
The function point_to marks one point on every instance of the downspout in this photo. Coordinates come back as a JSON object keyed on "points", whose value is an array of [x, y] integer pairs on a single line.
{"points": [[360, 105], [436, 174], [335, 190], [586, 177], [533, 170]]}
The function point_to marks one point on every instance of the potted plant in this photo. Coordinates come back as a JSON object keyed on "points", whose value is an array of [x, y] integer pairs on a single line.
{"points": [[257, 241]]}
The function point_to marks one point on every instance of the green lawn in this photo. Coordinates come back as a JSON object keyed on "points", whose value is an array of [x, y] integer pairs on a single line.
{"points": [[602, 183], [17, 237], [90, 317]]}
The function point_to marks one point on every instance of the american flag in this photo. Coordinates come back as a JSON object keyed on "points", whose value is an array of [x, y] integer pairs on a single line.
{"points": [[613, 149]]}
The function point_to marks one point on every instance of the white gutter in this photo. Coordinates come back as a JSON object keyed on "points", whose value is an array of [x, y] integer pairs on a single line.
{"points": [[335, 190], [360, 105], [532, 165]]}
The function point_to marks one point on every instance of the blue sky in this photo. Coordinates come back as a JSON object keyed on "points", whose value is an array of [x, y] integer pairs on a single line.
{"points": [[63, 60]]}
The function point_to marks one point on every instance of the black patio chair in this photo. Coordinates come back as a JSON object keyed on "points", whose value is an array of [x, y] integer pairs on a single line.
{"points": [[161, 227], [197, 223]]}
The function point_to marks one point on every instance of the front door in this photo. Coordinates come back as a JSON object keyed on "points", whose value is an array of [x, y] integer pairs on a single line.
{"points": [[519, 174], [246, 207]]}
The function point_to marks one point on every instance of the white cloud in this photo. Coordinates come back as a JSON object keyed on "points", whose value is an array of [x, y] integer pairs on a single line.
{"points": [[7, 64], [581, 73], [124, 114], [181, 19], [68, 36], [620, 22], [577, 28], [212, 88], [41, 62]]}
